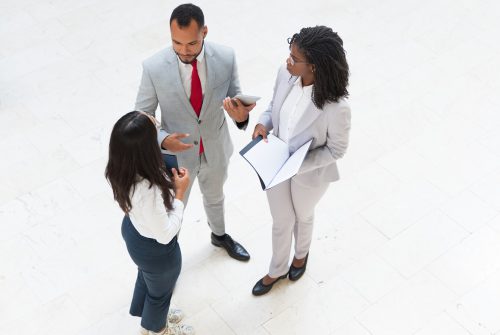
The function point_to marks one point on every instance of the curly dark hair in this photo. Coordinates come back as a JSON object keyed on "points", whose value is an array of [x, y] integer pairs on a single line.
{"points": [[133, 153], [324, 49]]}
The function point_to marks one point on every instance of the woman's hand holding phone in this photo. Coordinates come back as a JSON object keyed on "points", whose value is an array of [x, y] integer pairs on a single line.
{"points": [[181, 182]]}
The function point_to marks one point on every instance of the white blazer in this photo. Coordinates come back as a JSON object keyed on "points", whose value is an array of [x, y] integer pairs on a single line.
{"points": [[328, 128]]}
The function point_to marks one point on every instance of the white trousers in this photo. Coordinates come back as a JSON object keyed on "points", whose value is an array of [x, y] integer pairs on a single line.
{"points": [[292, 209]]}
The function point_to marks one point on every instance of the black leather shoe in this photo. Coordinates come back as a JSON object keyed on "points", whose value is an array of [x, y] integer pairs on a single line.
{"points": [[261, 289], [233, 248], [295, 273]]}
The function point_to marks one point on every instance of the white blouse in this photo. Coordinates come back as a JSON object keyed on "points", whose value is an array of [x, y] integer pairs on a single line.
{"points": [[149, 215], [294, 106]]}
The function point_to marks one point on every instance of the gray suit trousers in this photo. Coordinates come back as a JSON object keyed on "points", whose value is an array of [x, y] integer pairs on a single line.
{"points": [[211, 181], [292, 209]]}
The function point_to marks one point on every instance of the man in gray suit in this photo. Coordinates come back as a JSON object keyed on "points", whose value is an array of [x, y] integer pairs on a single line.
{"points": [[190, 80]]}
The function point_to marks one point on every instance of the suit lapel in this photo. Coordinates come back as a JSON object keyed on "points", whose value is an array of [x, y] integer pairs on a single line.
{"points": [[210, 63], [280, 99], [174, 80]]}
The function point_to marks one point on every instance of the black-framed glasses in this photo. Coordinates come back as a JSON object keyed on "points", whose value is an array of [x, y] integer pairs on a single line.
{"points": [[293, 62], [290, 57]]}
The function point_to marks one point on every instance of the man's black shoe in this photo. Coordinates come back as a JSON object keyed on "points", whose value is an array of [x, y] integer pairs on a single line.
{"points": [[233, 248]]}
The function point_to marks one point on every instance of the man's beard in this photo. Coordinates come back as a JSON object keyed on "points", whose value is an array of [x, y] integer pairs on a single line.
{"points": [[194, 56]]}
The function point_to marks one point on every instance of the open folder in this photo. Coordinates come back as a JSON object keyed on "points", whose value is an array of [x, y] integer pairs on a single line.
{"points": [[272, 160]]}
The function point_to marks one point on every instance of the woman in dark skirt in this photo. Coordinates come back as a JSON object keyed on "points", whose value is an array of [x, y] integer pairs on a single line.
{"points": [[152, 203]]}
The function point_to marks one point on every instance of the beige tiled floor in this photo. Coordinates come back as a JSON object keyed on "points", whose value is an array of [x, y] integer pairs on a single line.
{"points": [[407, 242]]}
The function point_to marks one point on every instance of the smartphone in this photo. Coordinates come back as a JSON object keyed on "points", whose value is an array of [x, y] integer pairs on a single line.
{"points": [[170, 162], [246, 99]]}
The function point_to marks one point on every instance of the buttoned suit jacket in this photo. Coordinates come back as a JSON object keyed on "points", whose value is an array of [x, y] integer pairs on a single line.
{"points": [[161, 85]]}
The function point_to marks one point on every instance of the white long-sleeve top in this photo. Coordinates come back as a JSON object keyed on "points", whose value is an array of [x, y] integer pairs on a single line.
{"points": [[149, 215]]}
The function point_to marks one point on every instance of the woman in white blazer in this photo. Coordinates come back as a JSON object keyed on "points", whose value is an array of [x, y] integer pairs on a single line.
{"points": [[308, 103]]}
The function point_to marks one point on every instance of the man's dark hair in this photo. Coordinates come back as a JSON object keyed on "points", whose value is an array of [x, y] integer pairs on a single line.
{"points": [[134, 153], [324, 48], [183, 14]]}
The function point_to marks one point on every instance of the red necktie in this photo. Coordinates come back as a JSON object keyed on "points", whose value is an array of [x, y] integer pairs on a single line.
{"points": [[196, 98]]}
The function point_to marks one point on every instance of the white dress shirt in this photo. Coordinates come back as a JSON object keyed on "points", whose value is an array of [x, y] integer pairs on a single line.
{"points": [[293, 108], [149, 215], [186, 71]]}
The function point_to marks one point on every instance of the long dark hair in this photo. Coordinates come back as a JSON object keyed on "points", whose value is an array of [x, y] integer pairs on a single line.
{"points": [[324, 49], [133, 153]]}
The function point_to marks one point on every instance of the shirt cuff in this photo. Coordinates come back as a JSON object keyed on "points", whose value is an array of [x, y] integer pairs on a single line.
{"points": [[162, 134], [177, 204], [242, 125]]}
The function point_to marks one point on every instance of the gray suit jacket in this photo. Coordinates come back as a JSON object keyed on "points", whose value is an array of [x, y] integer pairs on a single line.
{"points": [[328, 128], [161, 84]]}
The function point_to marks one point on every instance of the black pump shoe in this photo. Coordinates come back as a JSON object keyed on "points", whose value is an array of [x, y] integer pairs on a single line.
{"points": [[260, 288], [295, 273]]}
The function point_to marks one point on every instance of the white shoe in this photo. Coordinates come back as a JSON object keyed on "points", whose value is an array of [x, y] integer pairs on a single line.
{"points": [[171, 329], [176, 329], [175, 315]]}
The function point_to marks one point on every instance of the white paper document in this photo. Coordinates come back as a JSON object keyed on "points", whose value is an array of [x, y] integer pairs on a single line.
{"points": [[272, 160]]}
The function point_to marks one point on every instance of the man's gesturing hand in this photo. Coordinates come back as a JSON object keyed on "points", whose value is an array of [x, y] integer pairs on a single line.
{"points": [[173, 142]]}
